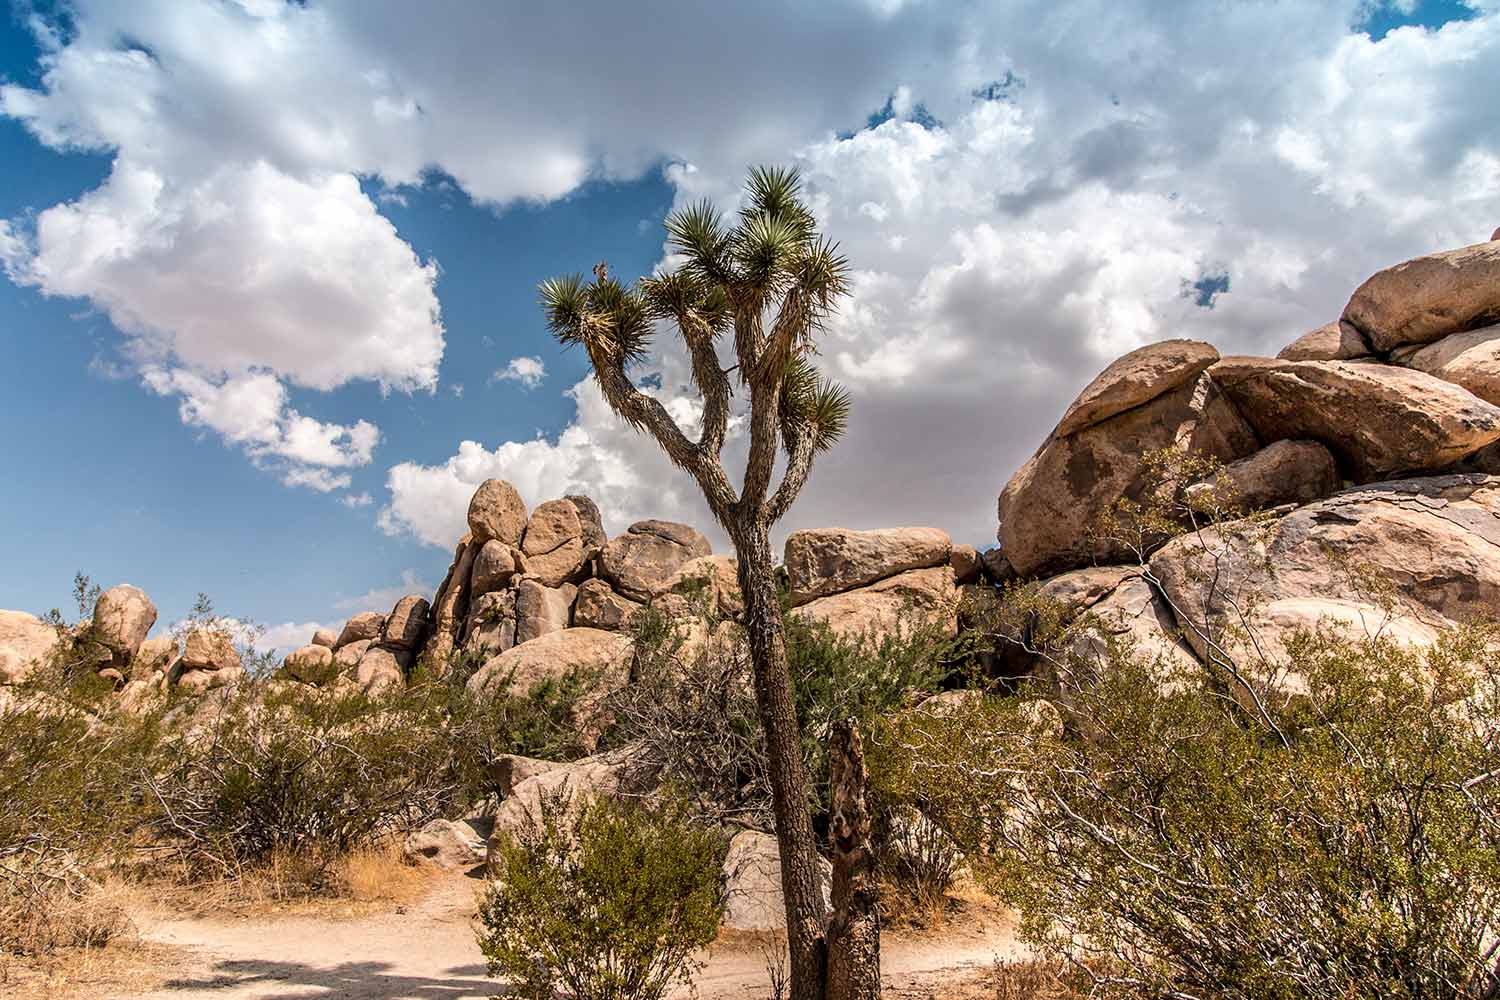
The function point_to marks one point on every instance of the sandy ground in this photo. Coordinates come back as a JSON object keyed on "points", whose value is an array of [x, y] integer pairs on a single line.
{"points": [[426, 950]]}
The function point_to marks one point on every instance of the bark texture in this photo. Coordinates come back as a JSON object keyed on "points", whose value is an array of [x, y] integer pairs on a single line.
{"points": [[854, 931], [795, 838]]}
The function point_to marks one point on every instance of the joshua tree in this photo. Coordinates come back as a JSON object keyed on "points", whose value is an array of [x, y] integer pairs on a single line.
{"points": [[770, 279]]}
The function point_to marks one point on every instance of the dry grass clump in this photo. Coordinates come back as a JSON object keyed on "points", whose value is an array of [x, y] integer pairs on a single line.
{"points": [[1034, 979]]}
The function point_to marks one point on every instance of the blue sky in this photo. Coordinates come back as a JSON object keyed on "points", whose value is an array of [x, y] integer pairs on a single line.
{"points": [[206, 392]]}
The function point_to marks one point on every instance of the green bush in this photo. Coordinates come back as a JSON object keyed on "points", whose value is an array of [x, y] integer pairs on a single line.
{"points": [[71, 787], [1345, 845], [601, 900]]}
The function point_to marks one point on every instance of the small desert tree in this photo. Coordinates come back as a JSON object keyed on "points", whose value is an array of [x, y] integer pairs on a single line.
{"points": [[768, 279]]}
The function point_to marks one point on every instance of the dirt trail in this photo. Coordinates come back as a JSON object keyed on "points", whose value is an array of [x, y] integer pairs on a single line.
{"points": [[427, 950]]}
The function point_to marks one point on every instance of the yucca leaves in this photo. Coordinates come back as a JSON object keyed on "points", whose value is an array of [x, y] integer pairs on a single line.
{"points": [[609, 321], [812, 401]]}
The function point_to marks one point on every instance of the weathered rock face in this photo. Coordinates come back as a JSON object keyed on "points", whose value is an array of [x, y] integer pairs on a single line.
{"points": [[1471, 360], [1429, 298], [123, 616], [365, 625], [155, 656], [25, 642], [209, 649], [594, 537], [310, 664], [597, 606], [325, 637], [716, 579], [831, 560], [1133, 615], [450, 606], [1284, 472], [553, 543], [752, 873], [458, 844], [382, 669], [640, 562], [919, 594], [493, 568], [1048, 507], [1437, 540], [964, 561], [491, 627], [1336, 341], [1137, 378], [347, 656], [552, 657], [497, 511], [407, 623], [1378, 420], [603, 775], [201, 681], [541, 609]]}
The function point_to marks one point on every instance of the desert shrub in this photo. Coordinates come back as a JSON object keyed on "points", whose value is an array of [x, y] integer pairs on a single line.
{"points": [[690, 709], [70, 785], [1343, 843], [602, 900], [312, 773]]}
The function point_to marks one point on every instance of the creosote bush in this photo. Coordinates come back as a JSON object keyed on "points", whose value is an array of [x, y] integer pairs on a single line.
{"points": [[1347, 848], [602, 900]]}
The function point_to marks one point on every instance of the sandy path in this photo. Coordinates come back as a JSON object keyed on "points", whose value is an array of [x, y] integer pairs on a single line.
{"points": [[428, 951]]}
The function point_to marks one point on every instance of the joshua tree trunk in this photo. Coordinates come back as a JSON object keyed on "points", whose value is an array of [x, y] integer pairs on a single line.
{"points": [[854, 931], [800, 882]]}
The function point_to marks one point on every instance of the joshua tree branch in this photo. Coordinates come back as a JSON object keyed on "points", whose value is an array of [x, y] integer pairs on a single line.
{"points": [[713, 384], [799, 459]]}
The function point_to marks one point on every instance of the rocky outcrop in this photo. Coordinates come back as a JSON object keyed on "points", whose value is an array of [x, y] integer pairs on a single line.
{"points": [[491, 627], [604, 655], [325, 637], [598, 606], [831, 560], [714, 580], [123, 617], [450, 606], [1435, 540], [25, 643], [752, 877], [617, 773], [381, 669], [493, 568], [1470, 359], [541, 609], [458, 844], [209, 660], [310, 664], [1429, 298], [1378, 420], [553, 543], [1336, 341], [1049, 507], [1284, 472], [406, 624], [497, 511], [1137, 378], [641, 562], [365, 625], [592, 524], [914, 597]]}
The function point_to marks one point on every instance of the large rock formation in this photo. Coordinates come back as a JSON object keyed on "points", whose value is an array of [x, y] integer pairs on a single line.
{"points": [[123, 616], [1049, 507], [1378, 420], [830, 560], [25, 643], [641, 562], [1429, 298], [915, 597], [497, 511], [553, 543], [1137, 378]]}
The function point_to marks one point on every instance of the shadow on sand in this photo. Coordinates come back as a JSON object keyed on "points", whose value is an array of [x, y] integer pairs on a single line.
{"points": [[267, 980]]}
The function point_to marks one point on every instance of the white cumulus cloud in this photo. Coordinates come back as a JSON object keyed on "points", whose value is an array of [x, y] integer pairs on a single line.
{"points": [[529, 372]]}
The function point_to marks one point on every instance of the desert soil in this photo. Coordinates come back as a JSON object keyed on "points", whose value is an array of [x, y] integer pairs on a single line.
{"points": [[426, 949]]}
